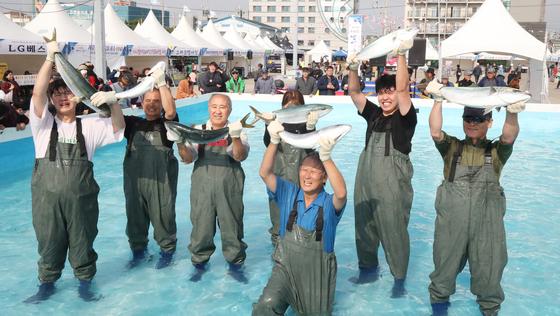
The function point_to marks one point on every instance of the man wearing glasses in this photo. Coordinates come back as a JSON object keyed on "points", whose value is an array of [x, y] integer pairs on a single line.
{"points": [[383, 189], [470, 206]]}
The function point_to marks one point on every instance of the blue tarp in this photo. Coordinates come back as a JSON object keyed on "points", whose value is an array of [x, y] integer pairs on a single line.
{"points": [[340, 53]]}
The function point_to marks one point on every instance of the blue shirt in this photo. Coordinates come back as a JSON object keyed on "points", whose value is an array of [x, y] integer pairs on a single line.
{"points": [[284, 197]]}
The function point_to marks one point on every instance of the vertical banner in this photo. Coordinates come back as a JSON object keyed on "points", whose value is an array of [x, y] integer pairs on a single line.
{"points": [[355, 34]]}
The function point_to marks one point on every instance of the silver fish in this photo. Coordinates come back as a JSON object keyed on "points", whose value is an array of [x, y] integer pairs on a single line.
{"points": [[486, 98], [144, 86], [311, 140], [293, 114], [386, 44], [199, 136], [76, 82]]}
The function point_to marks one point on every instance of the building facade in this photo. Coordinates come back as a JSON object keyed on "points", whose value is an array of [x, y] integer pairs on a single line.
{"points": [[311, 19], [441, 18]]}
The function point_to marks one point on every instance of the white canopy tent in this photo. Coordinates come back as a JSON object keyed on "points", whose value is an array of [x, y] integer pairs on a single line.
{"points": [[320, 50], [431, 52], [272, 46], [16, 41], [185, 33], [211, 34], [154, 31], [235, 38], [54, 16], [252, 43]]}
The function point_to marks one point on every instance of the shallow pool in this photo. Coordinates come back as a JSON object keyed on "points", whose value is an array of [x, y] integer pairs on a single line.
{"points": [[530, 280]]}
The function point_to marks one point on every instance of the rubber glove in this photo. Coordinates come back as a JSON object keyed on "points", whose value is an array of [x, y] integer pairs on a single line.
{"points": [[235, 129], [52, 48], [434, 88], [516, 107], [326, 145], [174, 137], [404, 46], [312, 119], [101, 97], [354, 63], [159, 76], [274, 129]]}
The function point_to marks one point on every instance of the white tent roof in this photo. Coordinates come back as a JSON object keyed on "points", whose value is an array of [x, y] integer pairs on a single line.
{"points": [[137, 26], [185, 33], [213, 36], [152, 30], [118, 33], [493, 29], [252, 43], [272, 46], [13, 32], [320, 50], [233, 37], [431, 52], [54, 16]]}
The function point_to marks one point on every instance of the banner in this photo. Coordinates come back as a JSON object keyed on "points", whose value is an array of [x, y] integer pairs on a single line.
{"points": [[355, 34], [10, 47]]}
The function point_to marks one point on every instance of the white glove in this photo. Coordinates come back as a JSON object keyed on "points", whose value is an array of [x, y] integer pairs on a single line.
{"points": [[52, 48], [516, 107], [312, 119], [404, 46], [354, 63], [174, 137], [434, 88], [235, 129], [274, 129], [326, 145], [101, 97], [159, 76]]}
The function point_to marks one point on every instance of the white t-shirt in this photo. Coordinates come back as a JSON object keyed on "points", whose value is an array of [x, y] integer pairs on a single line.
{"points": [[97, 131], [229, 150]]}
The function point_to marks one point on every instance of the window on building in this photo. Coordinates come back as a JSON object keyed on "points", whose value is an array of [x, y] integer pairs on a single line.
{"points": [[300, 42], [327, 30], [285, 19], [300, 8], [257, 8], [300, 29], [257, 19], [311, 19], [328, 8], [270, 19], [301, 19], [328, 43], [285, 8], [270, 8], [311, 30], [285, 29], [311, 8], [311, 43]]}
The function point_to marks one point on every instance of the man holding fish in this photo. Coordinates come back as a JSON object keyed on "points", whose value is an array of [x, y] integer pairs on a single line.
{"points": [[217, 191], [470, 202], [383, 191], [150, 169], [64, 192]]}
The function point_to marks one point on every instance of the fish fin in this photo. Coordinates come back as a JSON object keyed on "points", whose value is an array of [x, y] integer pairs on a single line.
{"points": [[53, 37], [258, 115], [244, 121], [487, 110], [493, 90]]}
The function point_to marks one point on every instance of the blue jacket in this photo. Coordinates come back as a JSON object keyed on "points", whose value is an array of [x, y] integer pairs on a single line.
{"points": [[322, 85], [496, 82]]}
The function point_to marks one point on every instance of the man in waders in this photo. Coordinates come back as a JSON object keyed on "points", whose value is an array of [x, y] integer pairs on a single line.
{"points": [[288, 157], [217, 184], [150, 175], [304, 273], [63, 190], [383, 190], [470, 205]]}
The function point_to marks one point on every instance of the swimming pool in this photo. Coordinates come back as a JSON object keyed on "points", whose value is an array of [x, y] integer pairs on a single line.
{"points": [[530, 279]]}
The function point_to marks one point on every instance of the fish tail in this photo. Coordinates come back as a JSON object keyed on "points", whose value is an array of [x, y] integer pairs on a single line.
{"points": [[53, 37], [244, 121]]}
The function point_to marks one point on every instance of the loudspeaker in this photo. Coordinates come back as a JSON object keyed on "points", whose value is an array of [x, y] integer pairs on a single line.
{"points": [[417, 54], [249, 54], [229, 55], [379, 61]]}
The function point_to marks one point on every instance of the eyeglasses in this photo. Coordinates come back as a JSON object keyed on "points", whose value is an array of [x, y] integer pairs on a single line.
{"points": [[473, 119]]}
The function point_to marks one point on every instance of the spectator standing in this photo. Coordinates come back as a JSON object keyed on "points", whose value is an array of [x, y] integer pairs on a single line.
{"points": [[265, 84], [428, 77], [306, 85], [328, 84], [212, 80], [467, 82], [477, 71], [458, 73], [490, 80], [235, 84]]}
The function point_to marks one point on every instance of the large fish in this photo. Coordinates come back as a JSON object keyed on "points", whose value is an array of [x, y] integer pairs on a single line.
{"points": [[79, 86], [311, 140], [386, 44], [486, 98], [293, 114], [200, 136], [147, 84]]}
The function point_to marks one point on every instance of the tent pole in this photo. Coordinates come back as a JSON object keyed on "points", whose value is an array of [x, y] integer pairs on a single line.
{"points": [[99, 20]]}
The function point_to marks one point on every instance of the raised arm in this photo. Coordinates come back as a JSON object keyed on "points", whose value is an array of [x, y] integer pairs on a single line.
{"points": [[402, 81], [335, 177], [43, 77], [511, 125], [267, 166], [117, 118], [354, 90], [436, 117], [240, 151]]}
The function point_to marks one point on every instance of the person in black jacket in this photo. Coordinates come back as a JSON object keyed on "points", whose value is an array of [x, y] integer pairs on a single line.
{"points": [[212, 80], [328, 84]]}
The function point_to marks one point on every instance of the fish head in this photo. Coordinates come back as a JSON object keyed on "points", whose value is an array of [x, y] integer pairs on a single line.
{"points": [[321, 109], [341, 130]]}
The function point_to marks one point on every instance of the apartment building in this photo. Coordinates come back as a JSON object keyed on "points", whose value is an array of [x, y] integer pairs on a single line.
{"points": [[311, 19]]}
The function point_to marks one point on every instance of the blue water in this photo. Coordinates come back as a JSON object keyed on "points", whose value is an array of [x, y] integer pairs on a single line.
{"points": [[530, 279]]}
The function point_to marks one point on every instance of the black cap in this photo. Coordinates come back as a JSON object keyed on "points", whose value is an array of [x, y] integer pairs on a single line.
{"points": [[476, 112], [234, 71], [431, 70]]}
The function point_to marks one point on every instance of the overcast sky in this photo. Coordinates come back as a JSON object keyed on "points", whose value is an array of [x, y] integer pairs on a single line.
{"points": [[228, 7]]}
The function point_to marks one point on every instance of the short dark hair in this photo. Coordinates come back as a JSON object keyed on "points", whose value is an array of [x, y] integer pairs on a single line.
{"points": [[293, 95], [56, 85], [330, 67], [305, 69], [213, 64], [5, 76], [313, 155], [385, 82]]}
